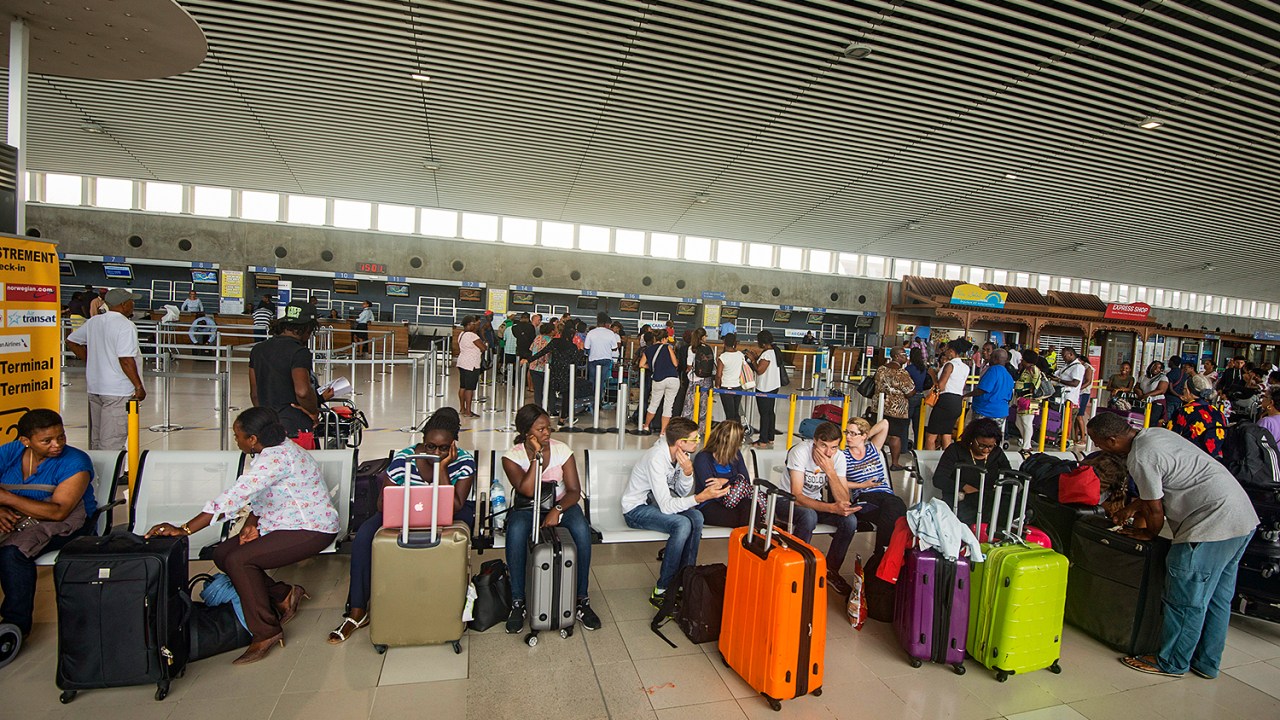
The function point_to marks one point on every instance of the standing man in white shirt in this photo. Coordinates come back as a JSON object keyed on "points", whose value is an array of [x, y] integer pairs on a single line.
{"points": [[108, 343], [1072, 378], [600, 345]]}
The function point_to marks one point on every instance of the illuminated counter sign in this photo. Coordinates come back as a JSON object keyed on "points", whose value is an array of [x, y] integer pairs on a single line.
{"points": [[1128, 311], [974, 296]]}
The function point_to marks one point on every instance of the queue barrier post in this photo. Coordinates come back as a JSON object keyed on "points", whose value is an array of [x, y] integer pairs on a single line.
{"points": [[711, 393], [642, 428], [133, 444], [791, 421], [879, 407], [844, 421], [1146, 417], [1065, 432], [1044, 424], [697, 395], [924, 411], [573, 379], [546, 386]]}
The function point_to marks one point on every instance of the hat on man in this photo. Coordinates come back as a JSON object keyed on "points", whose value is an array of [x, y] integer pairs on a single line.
{"points": [[1201, 387], [119, 296], [298, 312]]}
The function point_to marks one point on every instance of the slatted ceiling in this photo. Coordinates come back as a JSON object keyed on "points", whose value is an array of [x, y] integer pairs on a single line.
{"points": [[616, 113]]}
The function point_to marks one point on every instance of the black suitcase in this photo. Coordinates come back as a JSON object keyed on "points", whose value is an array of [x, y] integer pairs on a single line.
{"points": [[365, 491], [122, 612], [1058, 521], [1114, 587]]}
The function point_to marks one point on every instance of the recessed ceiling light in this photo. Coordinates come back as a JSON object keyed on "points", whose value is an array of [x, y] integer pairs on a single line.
{"points": [[701, 197], [913, 225], [1150, 124], [431, 164], [420, 77], [856, 52], [1010, 176], [92, 127]]}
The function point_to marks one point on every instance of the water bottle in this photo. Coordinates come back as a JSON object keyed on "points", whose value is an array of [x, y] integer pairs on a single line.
{"points": [[498, 504]]}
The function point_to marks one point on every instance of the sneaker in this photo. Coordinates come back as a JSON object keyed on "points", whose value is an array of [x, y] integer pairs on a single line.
{"points": [[515, 621], [657, 597], [586, 616], [838, 584]]}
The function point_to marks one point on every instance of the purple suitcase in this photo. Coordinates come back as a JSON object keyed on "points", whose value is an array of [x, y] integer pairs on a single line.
{"points": [[931, 609]]}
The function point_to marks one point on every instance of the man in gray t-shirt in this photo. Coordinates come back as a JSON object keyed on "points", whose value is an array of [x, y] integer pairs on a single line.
{"points": [[1212, 521]]}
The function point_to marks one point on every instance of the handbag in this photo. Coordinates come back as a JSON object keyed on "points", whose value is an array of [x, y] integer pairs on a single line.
{"points": [[748, 377], [867, 387], [931, 397], [493, 596], [1080, 486]]}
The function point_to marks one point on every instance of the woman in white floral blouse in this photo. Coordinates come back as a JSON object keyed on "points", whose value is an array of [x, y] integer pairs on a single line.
{"points": [[291, 519]]}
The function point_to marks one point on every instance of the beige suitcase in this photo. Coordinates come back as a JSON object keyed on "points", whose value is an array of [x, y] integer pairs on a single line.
{"points": [[419, 588]]}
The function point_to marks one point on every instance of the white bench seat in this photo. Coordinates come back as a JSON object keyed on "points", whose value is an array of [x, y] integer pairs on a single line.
{"points": [[108, 471]]}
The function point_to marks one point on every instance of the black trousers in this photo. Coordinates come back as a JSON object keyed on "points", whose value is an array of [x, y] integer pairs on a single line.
{"points": [[767, 419]]}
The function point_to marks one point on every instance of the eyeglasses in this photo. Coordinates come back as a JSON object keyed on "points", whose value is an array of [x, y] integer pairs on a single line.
{"points": [[693, 438], [853, 432], [430, 449], [984, 447]]}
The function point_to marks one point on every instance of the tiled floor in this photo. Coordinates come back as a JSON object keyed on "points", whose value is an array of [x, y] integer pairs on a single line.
{"points": [[620, 671]]}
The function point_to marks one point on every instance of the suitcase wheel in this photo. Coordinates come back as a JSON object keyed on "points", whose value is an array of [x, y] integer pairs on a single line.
{"points": [[817, 693], [457, 647], [531, 639], [915, 662], [1001, 676], [958, 668], [380, 649], [723, 661], [1055, 668], [10, 643], [566, 632], [162, 691], [67, 696], [775, 704]]}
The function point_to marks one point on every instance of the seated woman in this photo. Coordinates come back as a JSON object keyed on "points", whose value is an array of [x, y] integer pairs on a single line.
{"points": [[533, 438], [979, 445], [457, 467], [44, 480], [863, 468], [1198, 420], [291, 519], [721, 458]]}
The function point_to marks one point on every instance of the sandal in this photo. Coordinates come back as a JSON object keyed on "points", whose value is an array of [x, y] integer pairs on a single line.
{"points": [[898, 468], [348, 626], [1146, 664], [762, 445]]}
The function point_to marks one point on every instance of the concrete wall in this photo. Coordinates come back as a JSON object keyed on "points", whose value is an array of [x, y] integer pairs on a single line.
{"points": [[237, 244]]}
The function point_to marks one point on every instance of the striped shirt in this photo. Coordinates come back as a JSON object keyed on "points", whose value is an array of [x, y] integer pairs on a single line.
{"points": [[459, 470], [263, 316], [870, 467]]}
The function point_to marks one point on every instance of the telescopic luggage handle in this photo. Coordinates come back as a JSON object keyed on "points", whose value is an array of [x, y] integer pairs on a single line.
{"points": [[1024, 479], [771, 494], [434, 461], [1014, 486], [981, 487]]}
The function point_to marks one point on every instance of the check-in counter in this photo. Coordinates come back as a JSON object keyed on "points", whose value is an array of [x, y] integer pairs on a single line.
{"points": [[240, 328]]}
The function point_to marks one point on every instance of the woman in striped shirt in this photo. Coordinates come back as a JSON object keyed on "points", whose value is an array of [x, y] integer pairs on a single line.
{"points": [[457, 468], [867, 475]]}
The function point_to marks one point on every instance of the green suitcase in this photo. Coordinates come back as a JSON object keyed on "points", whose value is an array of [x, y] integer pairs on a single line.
{"points": [[1018, 599]]}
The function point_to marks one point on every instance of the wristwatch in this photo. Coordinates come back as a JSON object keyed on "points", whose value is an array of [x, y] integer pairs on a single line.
{"points": [[558, 508]]}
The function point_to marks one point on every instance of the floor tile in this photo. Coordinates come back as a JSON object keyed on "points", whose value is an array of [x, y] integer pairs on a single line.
{"points": [[630, 604], [625, 575], [642, 644], [353, 664], [1057, 712], [426, 663], [445, 698], [685, 680], [725, 710], [1259, 675], [940, 697], [330, 705], [624, 693]]}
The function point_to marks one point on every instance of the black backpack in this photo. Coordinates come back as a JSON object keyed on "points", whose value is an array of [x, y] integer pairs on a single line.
{"points": [[704, 362], [1044, 470], [696, 601], [1251, 456]]}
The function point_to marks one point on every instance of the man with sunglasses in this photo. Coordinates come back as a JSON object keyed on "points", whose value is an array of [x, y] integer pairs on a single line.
{"points": [[659, 497]]}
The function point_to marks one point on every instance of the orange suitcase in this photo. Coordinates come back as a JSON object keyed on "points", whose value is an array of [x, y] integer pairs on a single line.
{"points": [[774, 628]]}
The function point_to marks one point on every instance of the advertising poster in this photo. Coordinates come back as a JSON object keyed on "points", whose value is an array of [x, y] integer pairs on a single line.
{"points": [[498, 301], [232, 292], [30, 347]]}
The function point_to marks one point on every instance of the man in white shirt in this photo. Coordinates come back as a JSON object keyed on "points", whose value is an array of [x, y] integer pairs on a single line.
{"points": [[108, 343], [658, 497], [600, 345], [811, 469], [1071, 377]]}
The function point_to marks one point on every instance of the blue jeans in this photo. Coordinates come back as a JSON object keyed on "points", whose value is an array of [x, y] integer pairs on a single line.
{"points": [[18, 581], [807, 519], [1198, 591], [520, 529], [606, 371], [684, 531], [358, 590]]}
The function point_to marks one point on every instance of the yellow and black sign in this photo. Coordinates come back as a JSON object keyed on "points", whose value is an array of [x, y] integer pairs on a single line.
{"points": [[30, 361]]}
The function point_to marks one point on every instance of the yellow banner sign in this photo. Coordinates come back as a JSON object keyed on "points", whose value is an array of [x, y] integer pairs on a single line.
{"points": [[30, 357], [974, 296]]}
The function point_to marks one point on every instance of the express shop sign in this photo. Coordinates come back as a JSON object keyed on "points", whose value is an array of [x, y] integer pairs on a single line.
{"points": [[1128, 311]]}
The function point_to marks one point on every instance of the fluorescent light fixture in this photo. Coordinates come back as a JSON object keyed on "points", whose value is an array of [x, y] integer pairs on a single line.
{"points": [[701, 197], [92, 128], [1151, 124], [1010, 176], [856, 52], [420, 77], [913, 225], [430, 164]]}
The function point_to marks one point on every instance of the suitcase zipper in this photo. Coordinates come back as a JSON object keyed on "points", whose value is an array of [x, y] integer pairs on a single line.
{"points": [[806, 618]]}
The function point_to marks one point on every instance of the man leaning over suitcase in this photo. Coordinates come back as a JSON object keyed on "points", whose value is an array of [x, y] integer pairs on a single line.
{"points": [[1212, 521], [658, 497]]}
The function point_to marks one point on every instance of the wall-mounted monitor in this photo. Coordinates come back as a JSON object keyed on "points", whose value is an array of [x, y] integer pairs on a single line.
{"points": [[397, 289], [266, 281], [728, 313], [863, 321], [628, 306], [815, 318], [66, 268], [521, 297], [117, 271], [687, 308], [588, 302], [344, 286], [470, 295], [204, 277], [782, 316]]}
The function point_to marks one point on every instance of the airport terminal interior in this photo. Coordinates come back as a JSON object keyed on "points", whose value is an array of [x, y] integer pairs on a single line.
{"points": [[850, 176]]}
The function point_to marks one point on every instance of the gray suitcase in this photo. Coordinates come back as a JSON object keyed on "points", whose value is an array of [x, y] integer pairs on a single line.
{"points": [[553, 573], [420, 578]]}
